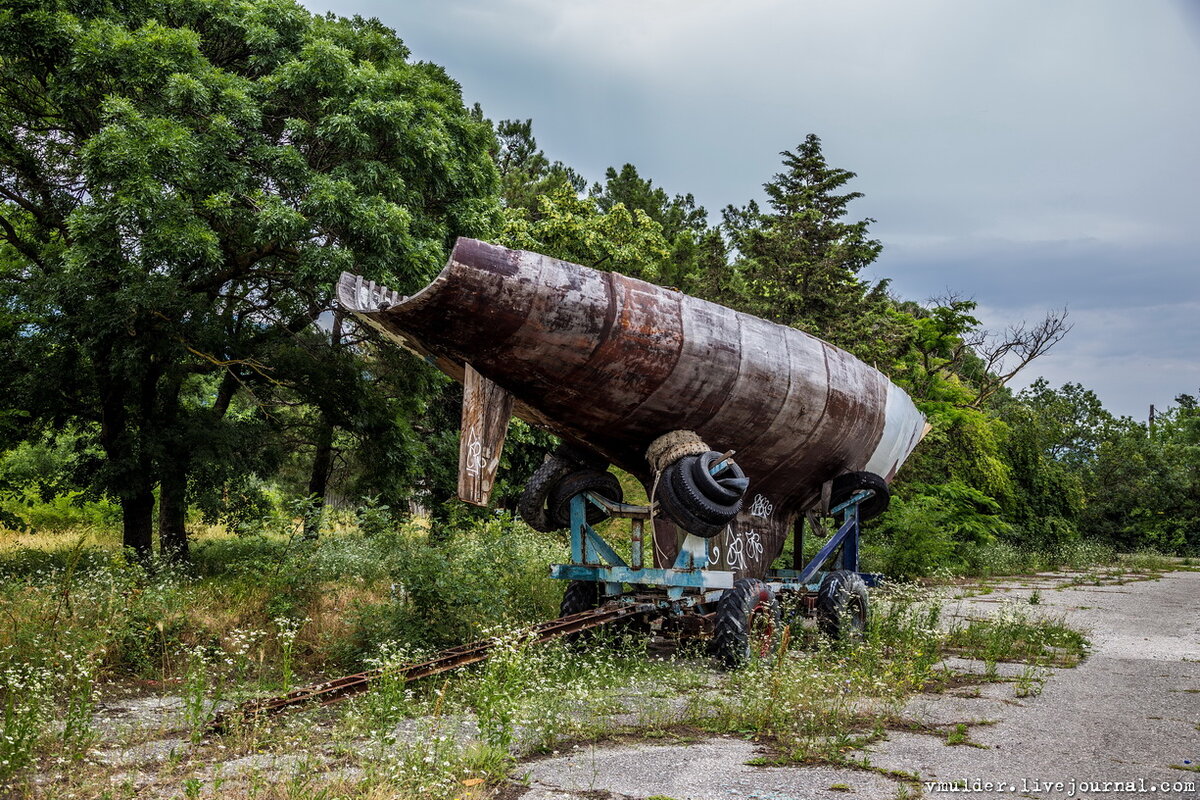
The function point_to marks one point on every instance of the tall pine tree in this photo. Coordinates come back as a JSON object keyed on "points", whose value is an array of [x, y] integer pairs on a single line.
{"points": [[799, 262]]}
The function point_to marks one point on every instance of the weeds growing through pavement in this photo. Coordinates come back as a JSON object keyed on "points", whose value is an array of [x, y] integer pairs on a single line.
{"points": [[1029, 682], [1011, 634], [821, 704]]}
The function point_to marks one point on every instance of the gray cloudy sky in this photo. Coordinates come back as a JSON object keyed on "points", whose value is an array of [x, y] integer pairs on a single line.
{"points": [[1027, 153]]}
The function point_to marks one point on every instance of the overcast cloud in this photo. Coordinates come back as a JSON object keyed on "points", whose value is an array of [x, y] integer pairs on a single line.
{"points": [[1029, 154]]}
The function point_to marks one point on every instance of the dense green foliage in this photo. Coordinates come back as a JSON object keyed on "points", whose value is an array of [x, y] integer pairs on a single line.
{"points": [[182, 182]]}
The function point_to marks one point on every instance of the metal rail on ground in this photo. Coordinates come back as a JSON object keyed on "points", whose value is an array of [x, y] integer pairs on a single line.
{"points": [[327, 692]]}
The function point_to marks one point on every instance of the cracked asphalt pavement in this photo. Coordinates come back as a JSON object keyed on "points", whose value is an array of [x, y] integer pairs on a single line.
{"points": [[1123, 724]]}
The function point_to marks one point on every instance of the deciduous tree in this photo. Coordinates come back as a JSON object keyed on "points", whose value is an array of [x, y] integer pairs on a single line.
{"points": [[180, 184]]}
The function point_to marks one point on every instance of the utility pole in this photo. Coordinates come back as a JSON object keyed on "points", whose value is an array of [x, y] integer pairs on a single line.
{"points": [[1152, 420]]}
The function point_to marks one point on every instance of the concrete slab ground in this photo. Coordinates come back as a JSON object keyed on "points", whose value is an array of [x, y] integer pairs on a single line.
{"points": [[1124, 715], [1110, 729], [711, 770]]}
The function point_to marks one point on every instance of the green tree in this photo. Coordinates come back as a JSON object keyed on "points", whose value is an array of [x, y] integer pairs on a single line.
{"points": [[573, 228], [180, 185], [684, 224], [526, 174], [677, 215], [1143, 486], [800, 261]]}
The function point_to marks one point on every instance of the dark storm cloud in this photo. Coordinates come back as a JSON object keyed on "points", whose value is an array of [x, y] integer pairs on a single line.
{"points": [[1028, 154]]}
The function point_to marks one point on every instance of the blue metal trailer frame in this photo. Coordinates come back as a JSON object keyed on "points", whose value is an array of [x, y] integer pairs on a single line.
{"points": [[690, 580]]}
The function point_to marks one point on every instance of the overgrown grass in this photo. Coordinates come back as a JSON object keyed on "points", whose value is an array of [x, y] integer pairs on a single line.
{"points": [[250, 614], [819, 705], [999, 557], [825, 703], [1013, 634], [259, 614]]}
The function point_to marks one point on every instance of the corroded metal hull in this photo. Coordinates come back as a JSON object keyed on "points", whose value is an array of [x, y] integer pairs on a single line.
{"points": [[612, 362]]}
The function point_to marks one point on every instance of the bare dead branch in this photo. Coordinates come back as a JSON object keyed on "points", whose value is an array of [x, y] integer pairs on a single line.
{"points": [[1005, 353]]}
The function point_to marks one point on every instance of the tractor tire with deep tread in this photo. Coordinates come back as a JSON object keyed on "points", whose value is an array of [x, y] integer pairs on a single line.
{"points": [[844, 487], [579, 596], [558, 503], [748, 624], [842, 606]]}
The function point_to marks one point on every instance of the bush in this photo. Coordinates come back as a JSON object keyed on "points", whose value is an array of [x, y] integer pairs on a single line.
{"points": [[27, 511], [489, 572], [937, 527]]}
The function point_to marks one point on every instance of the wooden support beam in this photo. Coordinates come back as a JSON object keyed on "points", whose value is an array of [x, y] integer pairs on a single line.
{"points": [[486, 411]]}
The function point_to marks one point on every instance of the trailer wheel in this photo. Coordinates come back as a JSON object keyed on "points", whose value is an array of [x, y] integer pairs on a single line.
{"points": [[844, 487], [579, 596], [748, 623], [842, 606], [558, 505]]}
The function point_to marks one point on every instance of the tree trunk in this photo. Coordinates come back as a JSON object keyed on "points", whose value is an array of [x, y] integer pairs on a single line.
{"points": [[318, 481], [137, 512], [133, 488], [172, 474], [172, 513]]}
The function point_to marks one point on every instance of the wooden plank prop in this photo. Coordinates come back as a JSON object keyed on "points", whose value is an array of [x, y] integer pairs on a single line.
{"points": [[485, 414]]}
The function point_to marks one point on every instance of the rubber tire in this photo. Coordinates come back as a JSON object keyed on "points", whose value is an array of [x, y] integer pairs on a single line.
{"points": [[728, 488], [558, 503], [579, 596], [739, 612], [844, 487], [681, 513], [531, 506], [715, 510], [842, 606]]}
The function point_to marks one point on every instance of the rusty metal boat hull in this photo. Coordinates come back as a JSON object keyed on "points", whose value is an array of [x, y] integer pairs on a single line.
{"points": [[611, 362]]}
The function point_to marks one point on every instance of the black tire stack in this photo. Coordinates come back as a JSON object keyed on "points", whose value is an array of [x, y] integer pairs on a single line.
{"points": [[699, 502], [545, 504]]}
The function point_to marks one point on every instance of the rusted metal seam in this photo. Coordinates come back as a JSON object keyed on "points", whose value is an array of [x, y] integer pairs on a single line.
{"points": [[820, 417], [748, 447]]}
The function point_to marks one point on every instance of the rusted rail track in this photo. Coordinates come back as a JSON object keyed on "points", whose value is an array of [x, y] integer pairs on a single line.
{"points": [[332, 691]]}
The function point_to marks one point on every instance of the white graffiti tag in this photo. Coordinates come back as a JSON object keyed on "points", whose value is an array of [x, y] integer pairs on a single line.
{"points": [[761, 507], [474, 454], [746, 544]]}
